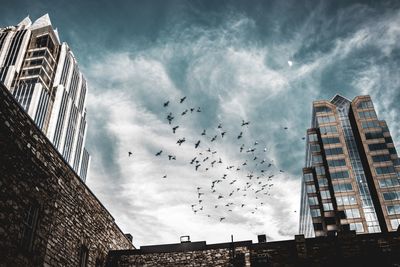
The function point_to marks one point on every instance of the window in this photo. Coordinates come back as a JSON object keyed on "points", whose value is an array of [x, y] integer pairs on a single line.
{"points": [[326, 119], [395, 223], [320, 170], [373, 135], [312, 137], [388, 140], [365, 104], [315, 213], [379, 146], [316, 159], [367, 114], [328, 129], [346, 200], [330, 140], [322, 182], [334, 151], [336, 162], [384, 170], [342, 187], [310, 188], [340, 175], [352, 213], [313, 201], [381, 158], [322, 109], [327, 206], [308, 177], [29, 226], [370, 124], [315, 148], [83, 256], [389, 196], [325, 194], [388, 182], [358, 227], [393, 209]]}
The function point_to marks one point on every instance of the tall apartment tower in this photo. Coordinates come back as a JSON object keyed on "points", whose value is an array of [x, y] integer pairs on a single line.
{"points": [[351, 179], [43, 75]]}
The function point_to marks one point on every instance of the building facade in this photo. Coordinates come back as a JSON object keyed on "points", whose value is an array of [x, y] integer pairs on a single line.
{"points": [[43, 75], [351, 175]]}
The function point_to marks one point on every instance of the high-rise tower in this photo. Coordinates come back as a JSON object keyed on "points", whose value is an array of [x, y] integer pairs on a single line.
{"points": [[352, 174], [43, 75]]}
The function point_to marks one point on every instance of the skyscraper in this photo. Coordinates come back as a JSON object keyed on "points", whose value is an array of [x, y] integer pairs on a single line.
{"points": [[43, 75], [351, 179]]}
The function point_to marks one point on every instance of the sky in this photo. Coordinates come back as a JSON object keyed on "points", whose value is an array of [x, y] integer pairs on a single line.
{"points": [[257, 61]]}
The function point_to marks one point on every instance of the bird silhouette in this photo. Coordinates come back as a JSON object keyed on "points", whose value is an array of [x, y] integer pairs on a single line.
{"points": [[192, 161], [191, 110], [182, 99], [184, 112], [165, 176], [166, 104], [221, 219], [241, 148], [171, 157], [170, 118], [240, 135], [219, 126], [222, 134], [245, 123], [180, 141], [197, 166], [159, 153], [197, 144], [130, 153], [204, 132], [174, 128], [214, 138], [198, 109]]}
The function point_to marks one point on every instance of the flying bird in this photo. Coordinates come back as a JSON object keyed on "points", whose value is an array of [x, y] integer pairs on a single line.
{"points": [[130, 153], [170, 118], [166, 104], [171, 157], [219, 126], [180, 141], [192, 161], [204, 132], [198, 109], [182, 99], [245, 123], [222, 134], [197, 144], [197, 166], [285, 128], [174, 128], [184, 112], [191, 110], [221, 219], [165, 176], [159, 153], [241, 147], [240, 135], [213, 139]]}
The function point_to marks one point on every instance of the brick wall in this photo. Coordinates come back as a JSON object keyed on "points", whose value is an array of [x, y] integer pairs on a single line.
{"points": [[69, 216], [346, 249]]}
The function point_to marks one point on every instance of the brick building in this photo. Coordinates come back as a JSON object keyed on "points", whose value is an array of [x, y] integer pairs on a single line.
{"points": [[48, 216]]}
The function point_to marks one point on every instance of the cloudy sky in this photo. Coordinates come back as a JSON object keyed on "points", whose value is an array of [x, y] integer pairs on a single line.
{"points": [[259, 61]]}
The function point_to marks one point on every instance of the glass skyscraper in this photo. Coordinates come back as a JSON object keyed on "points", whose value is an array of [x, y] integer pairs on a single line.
{"points": [[351, 175], [43, 75]]}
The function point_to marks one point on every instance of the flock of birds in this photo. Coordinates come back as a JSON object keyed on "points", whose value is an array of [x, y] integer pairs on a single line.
{"points": [[243, 186]]}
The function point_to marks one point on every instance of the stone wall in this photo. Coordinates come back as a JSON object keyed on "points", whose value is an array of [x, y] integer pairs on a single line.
{"points": [[346, 249], [68, 218]]}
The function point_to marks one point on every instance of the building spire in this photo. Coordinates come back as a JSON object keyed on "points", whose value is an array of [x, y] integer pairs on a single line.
{"points": [[25, 22], [41, 22]]}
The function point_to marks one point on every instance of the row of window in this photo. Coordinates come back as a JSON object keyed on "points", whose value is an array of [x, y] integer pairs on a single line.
{"points": [[373, 135], [390, 196], [393, 209], [389, 182], [312, 137], [320, 170], [340, 175], [370, 124], [326, 119], [381, 158], [346, 200], [334, 151], [313, 201], [367, 114], [308, 177], [336, 162], [384, 170], [378, 146], [328, 129], [322, 109], [322, 182], [343, 187], [330, 140], [365, 104]]}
